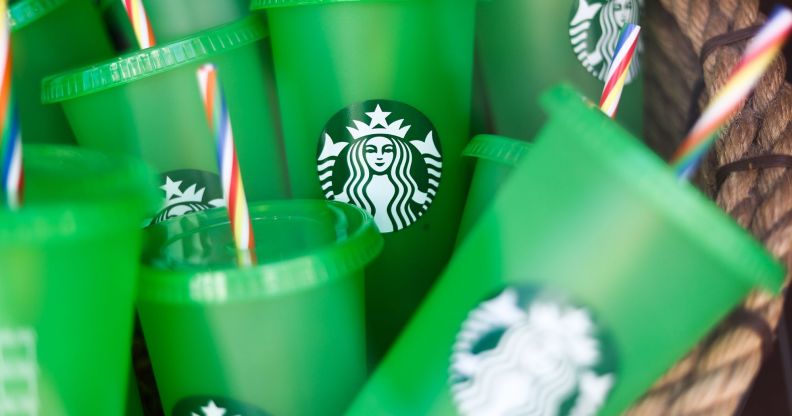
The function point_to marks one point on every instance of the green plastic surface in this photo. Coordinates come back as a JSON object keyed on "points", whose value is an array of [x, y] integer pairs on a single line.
{"points": [[49, 36], [329, 56], [652, 258], [148, 104], [497, 156], [265, 335], [524, 47], [78, 235]]}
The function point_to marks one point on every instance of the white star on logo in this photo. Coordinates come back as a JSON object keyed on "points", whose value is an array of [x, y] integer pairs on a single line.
{"points": [[211, 409], [171, 188], [378, 117]]}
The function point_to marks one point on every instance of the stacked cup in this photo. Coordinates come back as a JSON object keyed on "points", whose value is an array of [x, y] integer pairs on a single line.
{"points": [[70, 260]]}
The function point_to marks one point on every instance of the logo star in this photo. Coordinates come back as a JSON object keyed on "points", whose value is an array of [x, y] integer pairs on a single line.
{"points": [[171, 188], [211, 409], [378, 117]]}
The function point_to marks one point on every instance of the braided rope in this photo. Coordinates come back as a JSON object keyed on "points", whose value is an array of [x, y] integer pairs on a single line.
{"points": [[715, 376]]}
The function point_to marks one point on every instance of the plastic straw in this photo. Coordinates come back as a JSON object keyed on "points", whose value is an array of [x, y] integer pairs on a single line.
{"points": [[10, 137], [759, 54], [231, 176], [618, 70]]}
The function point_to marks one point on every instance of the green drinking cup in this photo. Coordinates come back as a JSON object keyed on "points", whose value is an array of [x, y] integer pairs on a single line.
{"points": [[49, 36], [375, 104], [593, 271], [496, 158], [148, 104], [171, 19], [284, 337], [70, 260], [525, 47]]}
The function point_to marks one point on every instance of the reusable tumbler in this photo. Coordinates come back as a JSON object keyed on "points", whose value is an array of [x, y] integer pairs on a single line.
{"points": [[496, 158], [284, 337], [525, 47], [148, 104], [69, 260], [172, 19], [50, 36], [593, 271], [375, 103]]}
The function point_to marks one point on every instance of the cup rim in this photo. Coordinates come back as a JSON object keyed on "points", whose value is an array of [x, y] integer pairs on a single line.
{"points": [[52, 220], [145, 63], [26, 12], [498, 149], [648, 175], [342, 259]]}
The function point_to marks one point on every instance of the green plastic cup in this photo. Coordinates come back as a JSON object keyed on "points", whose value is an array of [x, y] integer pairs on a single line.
{"points": [[171, 19], [594, 270], [148, 104], [526, 47], [70, 260], [385, 80], [50, 36], [496, 158], [285, 337]]}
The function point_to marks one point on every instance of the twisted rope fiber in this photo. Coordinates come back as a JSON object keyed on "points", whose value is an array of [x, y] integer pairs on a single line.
{"points": [[715, 376]]}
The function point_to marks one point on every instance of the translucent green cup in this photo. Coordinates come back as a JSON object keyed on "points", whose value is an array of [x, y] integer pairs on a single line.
{"points": [[70, 260], [148, 104], [591, 214], [496, 158], [172, 19], [50, 36], [525, 47], [359, 80], [262, 339]]}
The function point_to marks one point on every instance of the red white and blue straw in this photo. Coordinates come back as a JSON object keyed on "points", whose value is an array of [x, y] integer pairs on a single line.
{"points": [[233, 190], [619, 69], [13, 182]]}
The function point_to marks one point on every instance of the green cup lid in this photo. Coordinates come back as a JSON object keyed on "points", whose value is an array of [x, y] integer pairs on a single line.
{"points": [[57, 173], [497, 149], [25, 12], [152, 61], [71, 193], [300, 244]]}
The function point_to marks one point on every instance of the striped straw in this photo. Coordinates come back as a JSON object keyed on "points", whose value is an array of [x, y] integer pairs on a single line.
{"points": [[759, 54], [140, 23], [10, 137], [618, 70], [233, 190]]}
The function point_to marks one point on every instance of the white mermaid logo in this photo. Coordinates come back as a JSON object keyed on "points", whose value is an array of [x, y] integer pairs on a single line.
{"points": [[380, 170], [594, 32], [512, 361]]}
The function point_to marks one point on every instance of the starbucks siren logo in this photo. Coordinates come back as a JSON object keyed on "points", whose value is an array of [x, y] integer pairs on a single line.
{"points": [[189, 191], [19, 372], [594, 31], [528, 354], [390, 169], [215, 406]]}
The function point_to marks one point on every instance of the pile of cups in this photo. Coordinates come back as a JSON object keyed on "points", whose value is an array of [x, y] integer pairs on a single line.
{"points": [[566, 275]]}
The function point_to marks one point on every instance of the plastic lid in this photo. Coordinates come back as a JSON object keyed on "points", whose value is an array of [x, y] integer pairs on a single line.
{"points": [[25, 12], [72, 192], [269, 4], [300, 244], [497, 149], [152, 61], [647, 174], [64, 173]]}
